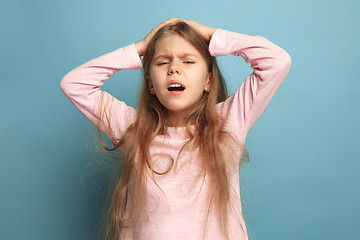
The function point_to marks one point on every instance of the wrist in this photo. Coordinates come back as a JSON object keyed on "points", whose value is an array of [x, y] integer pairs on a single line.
{"points": [[211, 33], [140, 48]]}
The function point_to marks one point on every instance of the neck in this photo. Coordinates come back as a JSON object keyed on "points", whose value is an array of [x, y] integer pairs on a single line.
{"points": [[177, 119], [176, 122]]}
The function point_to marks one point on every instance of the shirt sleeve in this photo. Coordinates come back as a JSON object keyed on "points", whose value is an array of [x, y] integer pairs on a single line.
{"points": [[271, 65], [82, 87]]}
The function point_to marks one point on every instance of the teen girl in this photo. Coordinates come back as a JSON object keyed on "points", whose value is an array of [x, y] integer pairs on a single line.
{"points": [[183, 145]]}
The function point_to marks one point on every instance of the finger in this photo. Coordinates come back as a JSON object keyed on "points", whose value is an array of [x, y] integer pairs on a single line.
{"points": [[170, 21], [164, 23]]}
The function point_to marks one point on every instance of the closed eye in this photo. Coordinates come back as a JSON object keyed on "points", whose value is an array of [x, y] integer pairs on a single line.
{"points": [[162, 63]]}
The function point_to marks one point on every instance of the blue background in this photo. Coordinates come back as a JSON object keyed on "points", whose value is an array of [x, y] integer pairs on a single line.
{"points": [[303, 178]]}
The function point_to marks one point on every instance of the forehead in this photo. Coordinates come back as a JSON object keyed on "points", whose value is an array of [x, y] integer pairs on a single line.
{"points": [[174, 44]]}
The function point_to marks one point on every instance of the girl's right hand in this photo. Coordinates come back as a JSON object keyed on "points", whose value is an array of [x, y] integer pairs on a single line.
{"points": [[142, 45]]}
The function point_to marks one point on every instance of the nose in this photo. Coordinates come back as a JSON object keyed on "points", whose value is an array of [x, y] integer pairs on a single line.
{"points": [[174, 68]]}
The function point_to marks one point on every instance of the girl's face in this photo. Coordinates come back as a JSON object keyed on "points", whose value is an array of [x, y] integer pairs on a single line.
{"points": [[178, 74]]}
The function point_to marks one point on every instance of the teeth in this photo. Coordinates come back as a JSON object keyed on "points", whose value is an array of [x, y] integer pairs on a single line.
{"points": [[175, 85]]}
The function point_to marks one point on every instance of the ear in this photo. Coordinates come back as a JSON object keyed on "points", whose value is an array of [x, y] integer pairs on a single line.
{"points": [[208, 83], [150, 84]]}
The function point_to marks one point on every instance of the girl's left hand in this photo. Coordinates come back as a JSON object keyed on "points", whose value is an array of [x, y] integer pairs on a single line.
{"points": [[204, 31]]}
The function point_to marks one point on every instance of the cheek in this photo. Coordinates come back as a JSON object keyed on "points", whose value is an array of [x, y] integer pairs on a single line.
{"points": [[156, 79], [202, 77], [152, 74]]}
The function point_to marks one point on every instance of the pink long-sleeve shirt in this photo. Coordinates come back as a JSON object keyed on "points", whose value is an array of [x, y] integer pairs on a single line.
{"points": [[179, 212]]}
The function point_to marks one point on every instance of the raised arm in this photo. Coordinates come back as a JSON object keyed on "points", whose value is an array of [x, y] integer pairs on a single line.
{"points": [[271, 65], [82, 87]]}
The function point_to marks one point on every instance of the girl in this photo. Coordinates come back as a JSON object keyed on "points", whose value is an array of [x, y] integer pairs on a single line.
{"points": [[183, 145]]}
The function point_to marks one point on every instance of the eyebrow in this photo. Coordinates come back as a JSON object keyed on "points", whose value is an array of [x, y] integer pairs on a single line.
{"points": [[185, 55]]}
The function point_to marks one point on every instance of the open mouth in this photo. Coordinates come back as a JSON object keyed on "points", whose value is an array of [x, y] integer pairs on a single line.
{"points": [[175, 87]]}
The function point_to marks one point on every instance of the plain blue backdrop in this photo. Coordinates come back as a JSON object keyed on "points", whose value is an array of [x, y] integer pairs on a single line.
{"points": [[303, 178]]}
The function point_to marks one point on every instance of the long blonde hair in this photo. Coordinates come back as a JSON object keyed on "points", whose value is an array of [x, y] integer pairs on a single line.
{"points": [[209, 136]]}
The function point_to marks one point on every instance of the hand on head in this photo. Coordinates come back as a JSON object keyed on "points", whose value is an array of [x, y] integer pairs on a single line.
{"points": [[204, 31]]}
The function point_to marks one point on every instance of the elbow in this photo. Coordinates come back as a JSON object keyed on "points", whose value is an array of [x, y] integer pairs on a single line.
{"points": [[285, 61], [65, 84], [62, 84]]}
